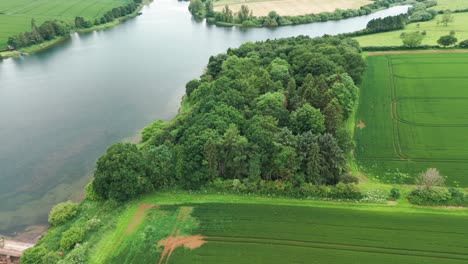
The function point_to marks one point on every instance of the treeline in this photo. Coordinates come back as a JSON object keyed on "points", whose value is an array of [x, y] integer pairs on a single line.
{"points": [[55, 28], [245, 17], [267, 111], [47, 31], [419, 12], [386, 24], [110, 16]]}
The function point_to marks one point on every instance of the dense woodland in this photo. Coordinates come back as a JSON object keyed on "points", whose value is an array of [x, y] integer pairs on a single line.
{"points": [[267, 111]]}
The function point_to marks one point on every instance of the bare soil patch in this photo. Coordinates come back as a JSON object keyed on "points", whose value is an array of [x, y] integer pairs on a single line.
{"points": [[174, 240], [361, 124], [293, 7], [377, 53], [138, 217], [392, 203]]}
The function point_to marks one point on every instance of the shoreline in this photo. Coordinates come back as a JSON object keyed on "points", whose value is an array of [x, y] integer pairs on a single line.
{"points": [[56, 41]]}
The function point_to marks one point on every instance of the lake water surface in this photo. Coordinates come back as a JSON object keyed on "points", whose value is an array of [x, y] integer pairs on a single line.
{"points": [[61, 108]]}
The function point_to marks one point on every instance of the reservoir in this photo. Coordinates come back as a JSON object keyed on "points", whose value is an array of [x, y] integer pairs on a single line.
{"points": [[61, 108]]}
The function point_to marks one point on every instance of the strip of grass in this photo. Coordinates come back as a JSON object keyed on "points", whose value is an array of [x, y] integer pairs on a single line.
{"points": [[413, 110]]}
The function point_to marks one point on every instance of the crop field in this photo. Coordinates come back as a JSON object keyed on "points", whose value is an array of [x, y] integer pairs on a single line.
{"points": [[433, 32], [290, 7], [16, 15], [413, 115], [255, 233]]}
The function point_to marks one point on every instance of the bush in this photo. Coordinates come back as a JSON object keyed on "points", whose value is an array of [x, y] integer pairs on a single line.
{"points": [[51, 257], [463, 44], [71, 237], [458, 197], [89, 192], [77, 256], [93, 224], [346, 191], [349, 178], [33, 255], [395, 194], [433, 196], [62, 212]]}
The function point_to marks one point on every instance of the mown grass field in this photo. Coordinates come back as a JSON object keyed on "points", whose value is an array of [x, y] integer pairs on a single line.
{"points": [[290, 7], [16, 15], [433, 32], [267, 233], [413, 116]]}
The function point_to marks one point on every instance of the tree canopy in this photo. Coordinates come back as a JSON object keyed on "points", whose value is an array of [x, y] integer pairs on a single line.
{"points": [[265, 111]]}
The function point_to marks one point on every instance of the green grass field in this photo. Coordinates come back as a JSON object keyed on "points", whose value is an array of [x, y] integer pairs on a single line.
{"points": [[451, 5], [415, 116], [433, 31], [16, 15], [262, 233]]}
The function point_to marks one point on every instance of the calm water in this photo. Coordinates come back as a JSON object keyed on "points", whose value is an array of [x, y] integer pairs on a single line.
{"points": [[60, 109]]}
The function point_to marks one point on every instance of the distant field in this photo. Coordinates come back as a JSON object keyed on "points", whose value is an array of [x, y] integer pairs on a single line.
{"points": [[16, 15], [255, 233], [291, 7], [451, 5], [413, 113], [434, 32]]}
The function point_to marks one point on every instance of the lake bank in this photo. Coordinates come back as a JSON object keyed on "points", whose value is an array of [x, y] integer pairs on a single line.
{"points": [[61, 108], [58, 40]]}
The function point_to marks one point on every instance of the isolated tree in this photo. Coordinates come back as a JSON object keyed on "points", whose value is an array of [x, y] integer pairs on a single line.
{"points": [[413, 39], [448, 40], [429, 179], [447, 18]]}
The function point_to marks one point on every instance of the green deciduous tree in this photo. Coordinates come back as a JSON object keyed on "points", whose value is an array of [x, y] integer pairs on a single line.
{"points": [[307, 118], [447, 18], [120, 173], [413, 39], [448, 40]]}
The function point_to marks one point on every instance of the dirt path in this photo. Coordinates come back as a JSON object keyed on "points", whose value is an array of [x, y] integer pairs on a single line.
{"points": [[138, 217], [174, 240], [376, 53]]}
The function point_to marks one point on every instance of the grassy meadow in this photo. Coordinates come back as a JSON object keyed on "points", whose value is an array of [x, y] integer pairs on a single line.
{"points": [[451, 5], [290, 7], [16, 15], [233, 229], [433, 32], [413, 116]]}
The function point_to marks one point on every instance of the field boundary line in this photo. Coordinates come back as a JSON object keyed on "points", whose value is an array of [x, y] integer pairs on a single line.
{"points": [[340, 247], [378, 53]]}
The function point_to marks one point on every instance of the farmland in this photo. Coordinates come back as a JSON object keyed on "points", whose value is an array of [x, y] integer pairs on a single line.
{"points": [[433, 32], [451, 5], [262, 233], [415, 116], [17, 14], [291, 7]]}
